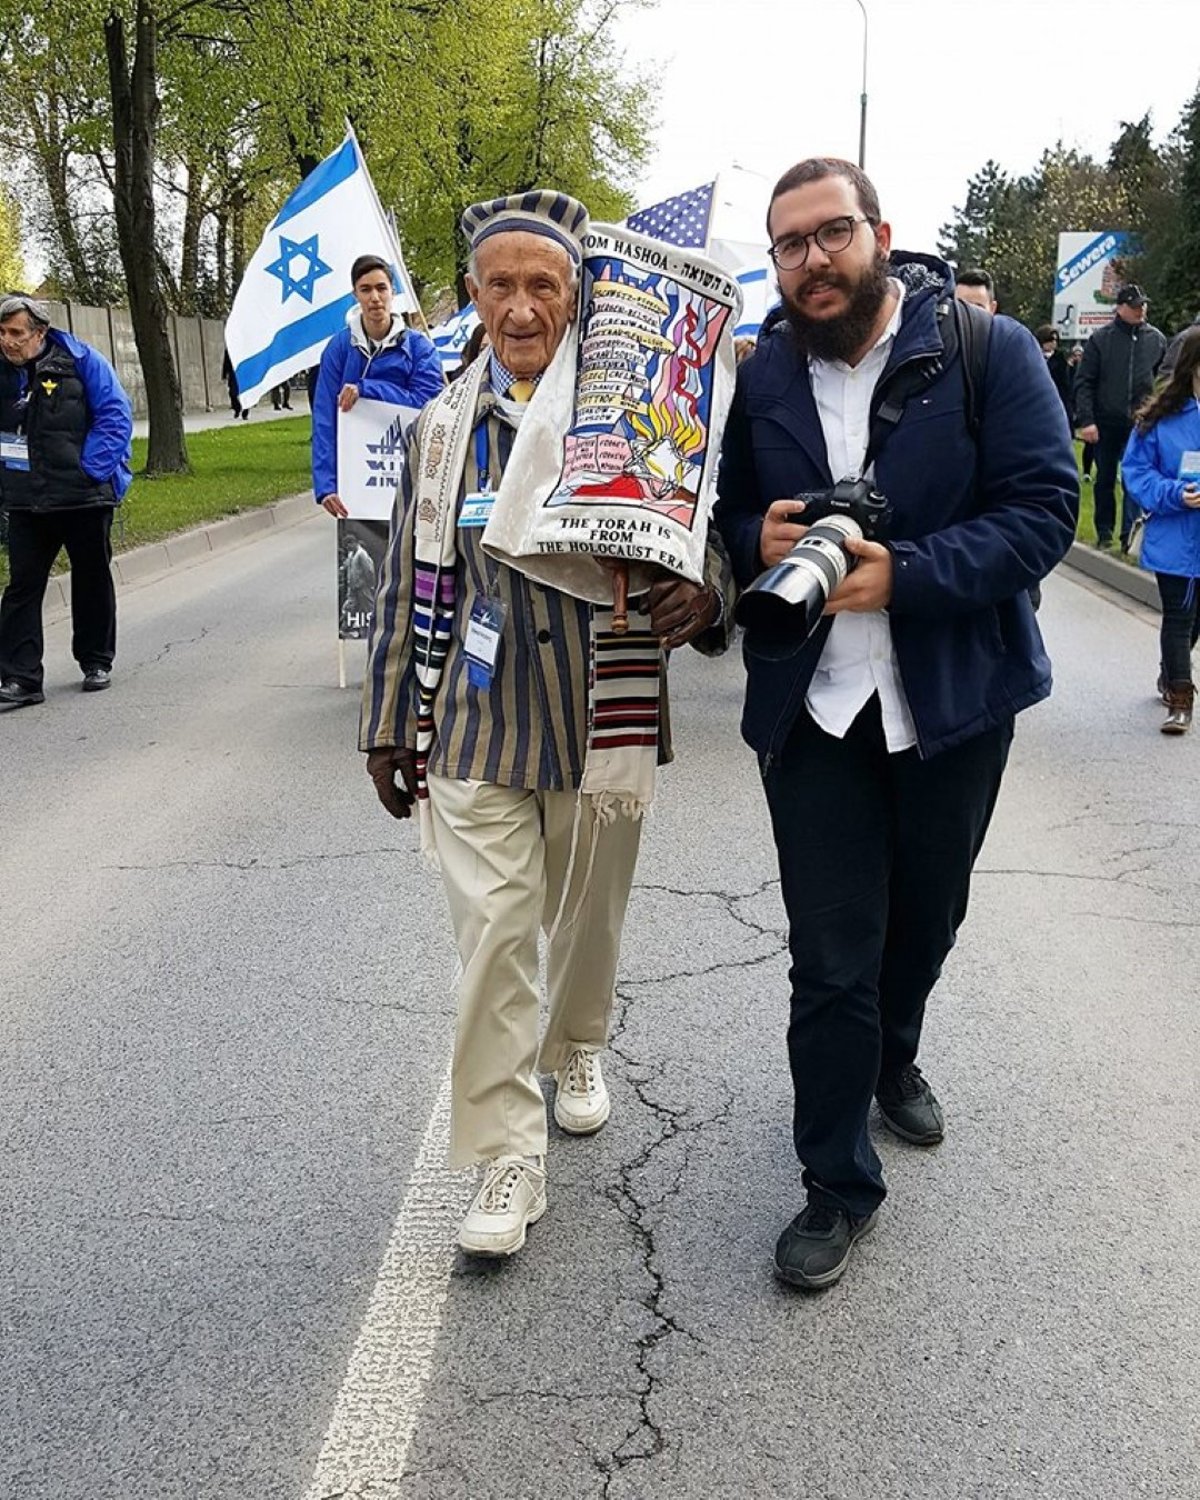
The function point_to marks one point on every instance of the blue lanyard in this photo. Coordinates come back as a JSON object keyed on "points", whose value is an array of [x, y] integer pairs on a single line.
{"points": [[481, 454]]}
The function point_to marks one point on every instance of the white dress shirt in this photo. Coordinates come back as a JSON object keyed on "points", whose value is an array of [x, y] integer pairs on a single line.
{"points": [[858, 659]]}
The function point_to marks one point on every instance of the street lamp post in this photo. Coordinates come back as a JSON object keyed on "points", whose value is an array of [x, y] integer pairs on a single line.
{"points": [[862, 124]]}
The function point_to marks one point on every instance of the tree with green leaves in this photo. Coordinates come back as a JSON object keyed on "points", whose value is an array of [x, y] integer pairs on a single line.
{"points": [[1180, 292], [12, 262], [1011, 225], [171, 130]]}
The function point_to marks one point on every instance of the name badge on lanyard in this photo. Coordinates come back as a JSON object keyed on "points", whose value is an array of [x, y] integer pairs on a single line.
{"points": [[482, 645], [477, 505], [14, 450]]}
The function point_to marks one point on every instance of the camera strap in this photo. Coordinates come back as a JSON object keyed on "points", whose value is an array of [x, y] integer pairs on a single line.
{"points": [[962, 327]]}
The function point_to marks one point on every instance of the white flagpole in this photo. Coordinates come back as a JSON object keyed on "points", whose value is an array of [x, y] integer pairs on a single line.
{"points": [[404, 271], [712, 212], [389, 219]]}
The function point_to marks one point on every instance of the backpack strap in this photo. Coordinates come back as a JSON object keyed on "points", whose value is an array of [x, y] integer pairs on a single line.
{"points": [[973, 328], [963, 327]]}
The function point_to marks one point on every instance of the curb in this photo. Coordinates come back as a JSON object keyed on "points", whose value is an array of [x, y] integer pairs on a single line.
{"points": [[144, 564], [1135, 583]]}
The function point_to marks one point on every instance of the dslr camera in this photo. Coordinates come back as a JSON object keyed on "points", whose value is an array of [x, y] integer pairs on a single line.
{"points": [[784, 605]]}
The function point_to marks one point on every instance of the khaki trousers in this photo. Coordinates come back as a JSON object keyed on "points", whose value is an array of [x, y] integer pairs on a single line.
{"points": [[505, 854]]}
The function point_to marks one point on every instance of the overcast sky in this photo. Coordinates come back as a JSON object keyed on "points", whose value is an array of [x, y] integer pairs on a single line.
{"points": [[763, 83]]}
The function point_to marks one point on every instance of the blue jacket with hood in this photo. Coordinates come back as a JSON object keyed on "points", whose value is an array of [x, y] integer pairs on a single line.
{"points": [[406, 369], [76, 417], [976, 521], [1150, 472]]}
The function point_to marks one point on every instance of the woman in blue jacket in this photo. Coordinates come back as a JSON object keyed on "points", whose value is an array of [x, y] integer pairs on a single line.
{"points": [[1161, 471]]}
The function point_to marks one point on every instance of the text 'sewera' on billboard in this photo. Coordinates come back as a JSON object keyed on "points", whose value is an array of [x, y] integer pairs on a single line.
{"points": [[1087, 280]]}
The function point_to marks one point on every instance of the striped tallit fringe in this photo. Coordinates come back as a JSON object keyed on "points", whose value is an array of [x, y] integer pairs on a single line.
{"points": [[446, 438], [622, 751]]}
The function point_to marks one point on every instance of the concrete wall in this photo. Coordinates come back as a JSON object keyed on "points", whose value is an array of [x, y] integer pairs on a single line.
{"points": [[125, 357], [189, 362], [91, 325], [212, 339], [197, 346]]}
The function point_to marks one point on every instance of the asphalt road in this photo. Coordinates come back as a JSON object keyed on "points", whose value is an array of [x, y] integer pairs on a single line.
{"points": [[225, 1006]]}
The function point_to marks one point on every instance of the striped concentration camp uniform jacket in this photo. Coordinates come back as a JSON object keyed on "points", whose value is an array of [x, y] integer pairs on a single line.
{"points": [[529, 729]]}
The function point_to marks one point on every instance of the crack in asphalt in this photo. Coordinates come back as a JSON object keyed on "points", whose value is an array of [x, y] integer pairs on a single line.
{"points": [[1121, 878], [639, 1204], [255, 864], [646, 1439], [396, 1005], [191, 640]]}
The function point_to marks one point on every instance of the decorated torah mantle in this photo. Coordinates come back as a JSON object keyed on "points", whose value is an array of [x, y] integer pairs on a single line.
{"points": [[615, 460]]}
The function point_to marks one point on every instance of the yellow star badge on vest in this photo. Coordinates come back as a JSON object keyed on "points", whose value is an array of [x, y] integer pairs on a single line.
{"points": [[49, 386]]}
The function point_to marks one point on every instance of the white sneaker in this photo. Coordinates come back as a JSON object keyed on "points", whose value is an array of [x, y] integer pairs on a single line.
{"points": [[512, 1197], [581, 1104]]}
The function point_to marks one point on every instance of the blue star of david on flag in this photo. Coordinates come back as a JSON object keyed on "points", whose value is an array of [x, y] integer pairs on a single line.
{"points": [[290, 250], [682, 220]]}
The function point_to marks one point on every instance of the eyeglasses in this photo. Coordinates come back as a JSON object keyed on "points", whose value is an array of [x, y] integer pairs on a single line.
{"points": [[790, 252]]}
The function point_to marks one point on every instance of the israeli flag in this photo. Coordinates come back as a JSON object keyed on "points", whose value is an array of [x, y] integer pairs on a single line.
{"points": [[450, 338], [296, 292]]}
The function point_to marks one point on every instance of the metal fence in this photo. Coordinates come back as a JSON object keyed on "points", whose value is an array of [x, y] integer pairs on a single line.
{"points": [[198, 346]]}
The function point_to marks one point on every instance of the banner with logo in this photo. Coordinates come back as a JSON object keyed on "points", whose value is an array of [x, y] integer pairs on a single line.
{"points": [[616, 456], [1087, 280], [361, 547], [371, 444]]}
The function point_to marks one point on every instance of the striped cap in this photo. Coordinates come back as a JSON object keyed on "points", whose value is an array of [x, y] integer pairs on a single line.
{"points": [[559, 218]]}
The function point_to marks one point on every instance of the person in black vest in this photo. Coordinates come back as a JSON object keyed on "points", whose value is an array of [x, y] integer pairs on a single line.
{"points": [[64, 468]]}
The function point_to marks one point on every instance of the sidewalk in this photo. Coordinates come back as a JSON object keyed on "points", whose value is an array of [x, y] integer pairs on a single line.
{"points": [[201, 421], [184, 549]]}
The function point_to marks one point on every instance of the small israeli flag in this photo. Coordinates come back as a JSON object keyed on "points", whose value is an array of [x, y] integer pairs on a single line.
{"points": [[450, 338], [296, 291]]}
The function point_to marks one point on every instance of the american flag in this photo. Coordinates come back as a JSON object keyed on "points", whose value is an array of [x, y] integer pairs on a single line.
{"points": [[682, 220]]}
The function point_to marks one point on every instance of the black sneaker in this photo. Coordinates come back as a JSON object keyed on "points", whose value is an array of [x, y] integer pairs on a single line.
{"points": [[909, 1107], [814, 1249], [14, 694], [96, 679]]}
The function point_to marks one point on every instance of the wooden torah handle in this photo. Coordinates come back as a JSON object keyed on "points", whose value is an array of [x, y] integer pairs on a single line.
{"points": [[620, 583]]}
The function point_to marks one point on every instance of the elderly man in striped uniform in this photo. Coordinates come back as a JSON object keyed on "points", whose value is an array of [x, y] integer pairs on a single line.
{"points": [[477, 692]]}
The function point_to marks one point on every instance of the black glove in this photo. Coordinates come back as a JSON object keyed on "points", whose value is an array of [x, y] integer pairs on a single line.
{"points": [[680, 611], [382, 765]]}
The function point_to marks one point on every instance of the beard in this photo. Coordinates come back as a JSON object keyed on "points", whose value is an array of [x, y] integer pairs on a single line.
{"points": [[842, 337]]}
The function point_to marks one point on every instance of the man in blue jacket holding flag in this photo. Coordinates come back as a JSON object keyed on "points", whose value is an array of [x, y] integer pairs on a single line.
{"points": [[375, 356], [64, 468], [883, 736]]}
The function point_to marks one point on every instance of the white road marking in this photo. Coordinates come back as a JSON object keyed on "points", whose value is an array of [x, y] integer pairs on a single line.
{"points": [[377, 1408]]}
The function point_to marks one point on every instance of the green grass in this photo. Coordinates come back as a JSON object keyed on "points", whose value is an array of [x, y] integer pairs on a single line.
{"points": [[234, 468], [1086, 530]]}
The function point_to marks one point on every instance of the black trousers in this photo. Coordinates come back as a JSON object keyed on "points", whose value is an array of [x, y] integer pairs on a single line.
{"points": [[875, 855], [1109, 451], [35, 539], [1180, 627]]}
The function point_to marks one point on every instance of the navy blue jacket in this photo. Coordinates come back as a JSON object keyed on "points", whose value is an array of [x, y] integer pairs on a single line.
{"points": [[406, 371], [973, 527], [76, 417]]}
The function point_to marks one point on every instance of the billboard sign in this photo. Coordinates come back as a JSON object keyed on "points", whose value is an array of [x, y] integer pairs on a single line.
{"points": [[1087, 280]]}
